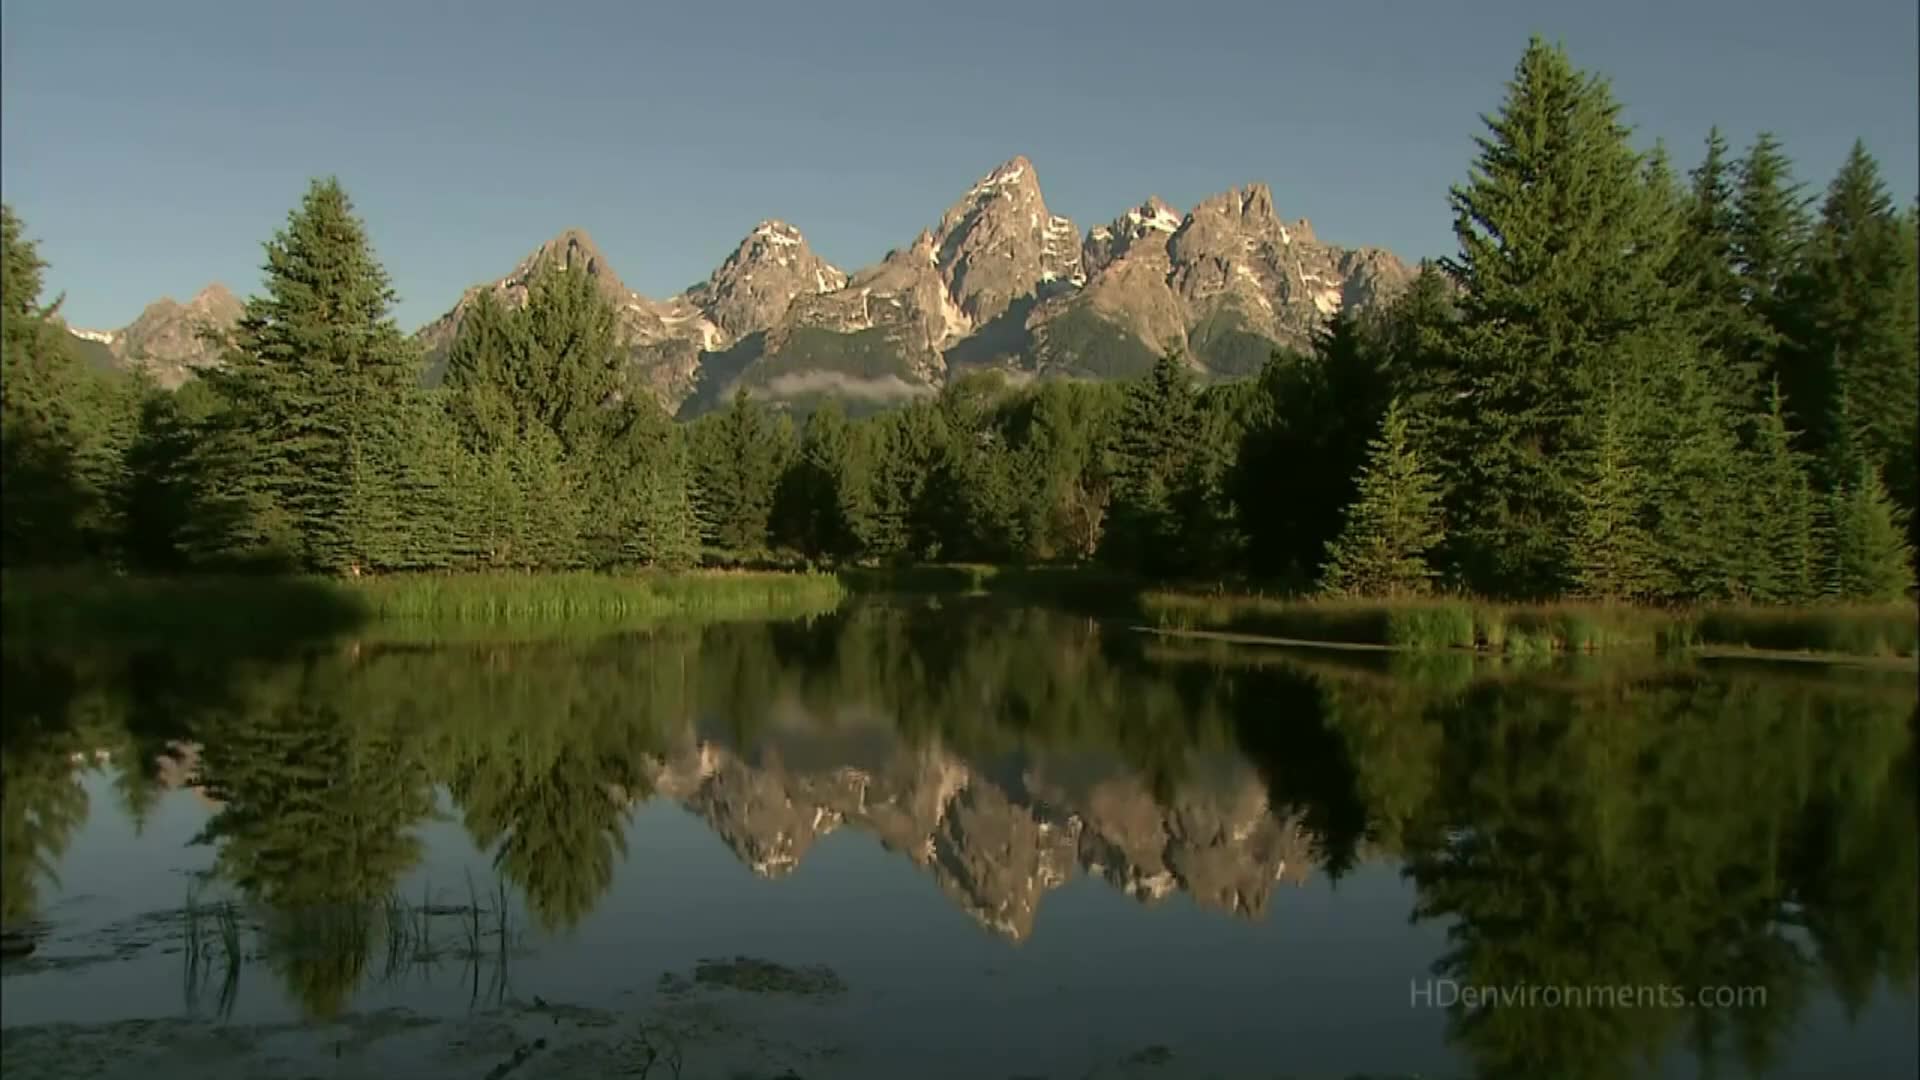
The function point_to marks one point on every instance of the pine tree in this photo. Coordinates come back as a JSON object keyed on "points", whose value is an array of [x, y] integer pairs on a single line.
{"points": [[480, 378], [316, 387], [1155, 441], [46, 505], [1567, 248], [1871, 559], [1393, 525], [160, 495], [1854, 326], [1708, 272], [739, 456], [575, 366], [1781, 515], [810, 514], [438, 485], [1614, 554], [1769, 232], [545, 534], [669, 532], [619, 471], [1060, 433], [1692, 472]]}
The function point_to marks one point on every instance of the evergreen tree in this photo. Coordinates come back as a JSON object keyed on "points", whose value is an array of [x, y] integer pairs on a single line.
{"points": [[669, 531], [740, 454], [1614, 554], [1871, 559], [811, 513], [480, 381], [1708, 271], [46, 504], [316, 388], [1060, 437], [162, 488], [1305, 446], [1854, 327], [1782, 515], [1567, 247], [621, 471], [1692, 474], [1391, 527], [908, 443], [545, 532], [574, 365], [1769, 231], [1155, 440], [971, 506]]}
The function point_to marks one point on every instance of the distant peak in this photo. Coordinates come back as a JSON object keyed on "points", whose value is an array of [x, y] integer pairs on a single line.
{"points": [[1254, 201], [215, 297], [572, 247], [1154, 214], [776, 232], [1015, 171], [569, 241]]}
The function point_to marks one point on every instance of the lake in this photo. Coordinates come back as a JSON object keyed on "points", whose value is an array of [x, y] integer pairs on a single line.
{"points": [[950, 838]]}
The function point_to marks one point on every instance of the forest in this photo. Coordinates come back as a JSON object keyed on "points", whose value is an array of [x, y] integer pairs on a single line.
{"points": [[1630, 382]]}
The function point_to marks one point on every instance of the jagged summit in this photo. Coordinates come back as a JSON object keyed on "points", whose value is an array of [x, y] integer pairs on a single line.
{"points": [[571, 248], [1000, 243], [1008, 177], [753, 288]]}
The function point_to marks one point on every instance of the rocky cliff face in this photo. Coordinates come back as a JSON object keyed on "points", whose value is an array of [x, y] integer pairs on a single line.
{"points": [[997, 848], [167, 340], [753, 288]]}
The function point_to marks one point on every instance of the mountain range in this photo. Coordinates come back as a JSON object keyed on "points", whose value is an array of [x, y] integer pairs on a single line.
{"points": [[999, 282]]}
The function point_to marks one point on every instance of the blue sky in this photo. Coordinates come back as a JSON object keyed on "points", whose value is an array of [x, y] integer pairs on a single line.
{"points": [[151, 148]]}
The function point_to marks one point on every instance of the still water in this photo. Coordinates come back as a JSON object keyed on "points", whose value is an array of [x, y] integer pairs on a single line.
{"points": [[950, 840]]}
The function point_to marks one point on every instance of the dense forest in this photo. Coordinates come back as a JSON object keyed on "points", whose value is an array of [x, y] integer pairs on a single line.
{"points": [[1628, 383]]}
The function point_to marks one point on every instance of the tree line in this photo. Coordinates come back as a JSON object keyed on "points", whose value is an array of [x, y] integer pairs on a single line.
{"points": [[1627, 383]]}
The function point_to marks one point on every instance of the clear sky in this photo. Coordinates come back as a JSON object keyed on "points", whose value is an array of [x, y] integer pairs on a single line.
{"points": [[152, 147]]}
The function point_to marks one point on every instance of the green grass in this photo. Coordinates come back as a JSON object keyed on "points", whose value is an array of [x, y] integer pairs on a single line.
{"points": [[1088, 590], [1532, 631], [1880, 630], [1411, 624], [583, 597], [96, 604]]}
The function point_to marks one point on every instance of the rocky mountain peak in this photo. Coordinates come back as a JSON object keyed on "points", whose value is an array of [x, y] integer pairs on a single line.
{"points": [[1153, 221], [1008, 180], [571, 248], [215, 297], [756, 284], [1000, 243], [1251, 205], [168, 339]]}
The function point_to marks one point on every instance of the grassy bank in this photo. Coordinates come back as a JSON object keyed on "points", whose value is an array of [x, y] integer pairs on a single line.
{"points": [[1879, 630], [1518, 631], [1077, 588], [95, 604]]}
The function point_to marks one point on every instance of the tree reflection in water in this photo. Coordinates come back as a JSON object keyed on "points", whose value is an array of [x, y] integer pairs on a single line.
{"points": [[1637, 824]]}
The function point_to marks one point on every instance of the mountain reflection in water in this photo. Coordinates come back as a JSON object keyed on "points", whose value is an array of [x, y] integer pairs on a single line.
{"points": [[1630, 823]]}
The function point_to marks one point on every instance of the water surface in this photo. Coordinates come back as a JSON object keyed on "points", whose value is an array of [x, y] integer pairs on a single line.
{"points": [[948, 839]]}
